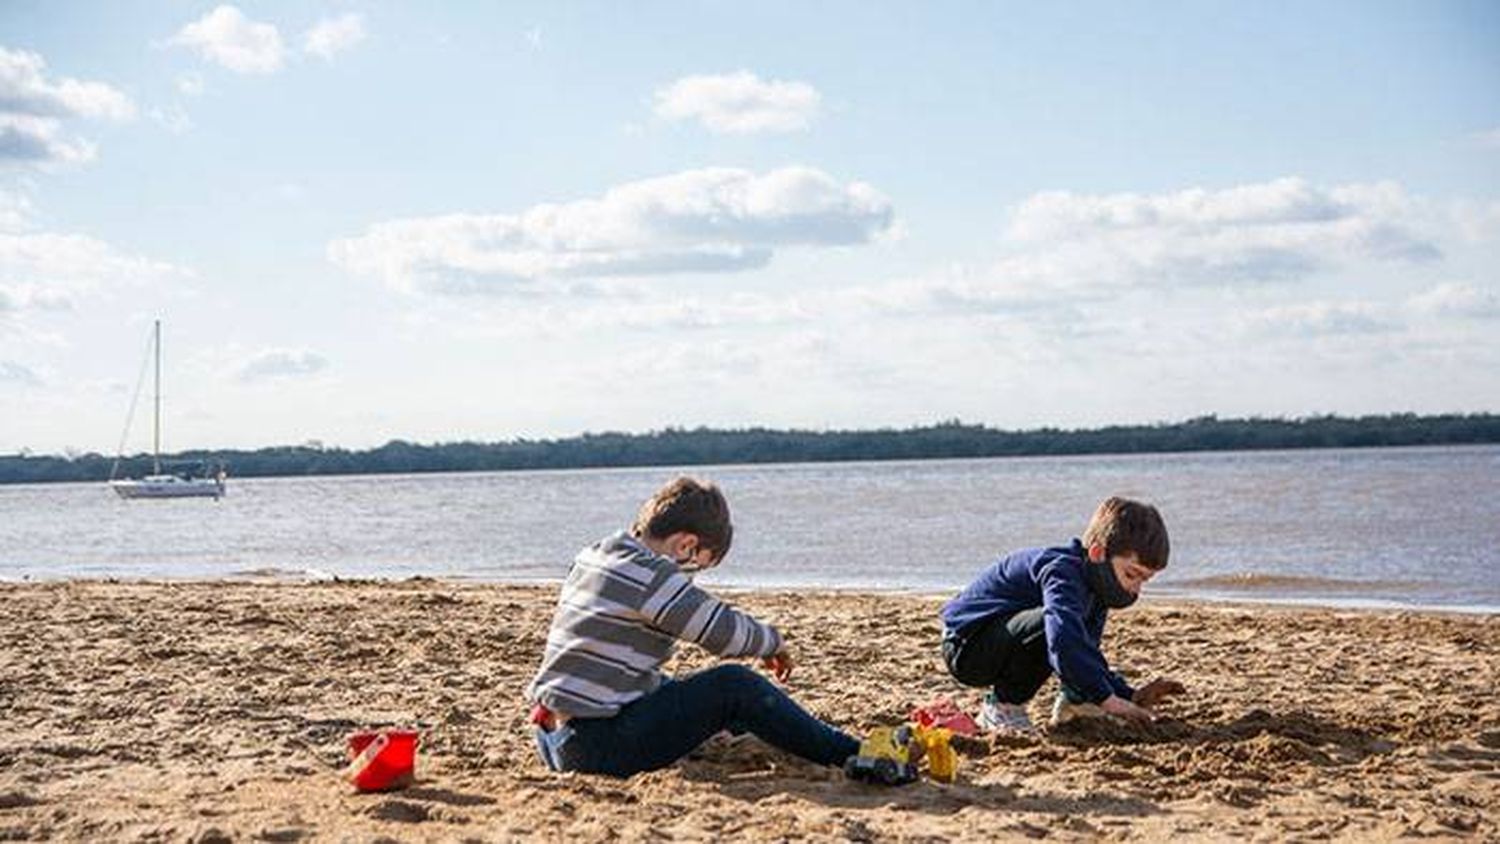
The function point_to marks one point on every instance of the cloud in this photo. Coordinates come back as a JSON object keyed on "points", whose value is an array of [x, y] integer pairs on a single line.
{"points": [[739, 103], [24, 89], [225, 36], [1318, 319], [710, 220], [190, 84], [1457, 300], [49, 258], [14, 373], [332, 36], [280, 363], [15, 211], [1488, 139], [32, 109], [49, 271], [38, 141], [736, 310], [173, 118], [1283, 230]]}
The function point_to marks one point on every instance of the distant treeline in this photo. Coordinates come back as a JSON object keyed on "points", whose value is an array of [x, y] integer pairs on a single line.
{"points": [[677, 446]]}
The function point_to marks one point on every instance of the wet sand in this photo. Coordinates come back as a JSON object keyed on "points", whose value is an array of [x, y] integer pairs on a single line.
{"points": [[218, 712]]}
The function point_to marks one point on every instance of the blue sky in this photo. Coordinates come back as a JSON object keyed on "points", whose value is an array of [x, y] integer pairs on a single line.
{"points": [[362, 221]]}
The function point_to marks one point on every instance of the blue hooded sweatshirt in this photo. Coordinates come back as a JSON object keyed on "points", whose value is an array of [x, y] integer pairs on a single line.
{"points": [[1073, 618]]}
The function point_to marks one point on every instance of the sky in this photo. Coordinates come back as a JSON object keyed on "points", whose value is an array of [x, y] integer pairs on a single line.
{"points": [[365, 221]]}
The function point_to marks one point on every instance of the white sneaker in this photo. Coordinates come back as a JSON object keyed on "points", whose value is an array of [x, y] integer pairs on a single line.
{"points": [[1064, 710], [997, 717]]}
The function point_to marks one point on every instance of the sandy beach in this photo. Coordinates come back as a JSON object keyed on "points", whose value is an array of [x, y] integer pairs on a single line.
{"points": [[218, 712]]}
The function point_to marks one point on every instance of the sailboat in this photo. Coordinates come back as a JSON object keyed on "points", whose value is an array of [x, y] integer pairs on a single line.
{"points": [[161, 484]]}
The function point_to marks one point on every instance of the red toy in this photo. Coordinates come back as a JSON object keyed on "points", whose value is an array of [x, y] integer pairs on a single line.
{"points": [[943, 712], [380, 760]]}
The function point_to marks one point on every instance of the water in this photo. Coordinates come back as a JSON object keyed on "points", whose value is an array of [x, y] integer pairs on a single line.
{"points": [[1411, 526]]}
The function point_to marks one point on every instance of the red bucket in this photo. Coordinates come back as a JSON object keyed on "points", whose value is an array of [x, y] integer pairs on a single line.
{"points": [[380, 760]]}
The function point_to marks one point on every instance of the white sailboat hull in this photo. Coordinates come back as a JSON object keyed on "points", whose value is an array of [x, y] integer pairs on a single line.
{"points": [[169, 486]]}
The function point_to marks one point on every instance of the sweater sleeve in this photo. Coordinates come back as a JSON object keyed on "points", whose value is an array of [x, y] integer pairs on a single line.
{"points": [[681, 609], [1095, 628], [1071, 651]]}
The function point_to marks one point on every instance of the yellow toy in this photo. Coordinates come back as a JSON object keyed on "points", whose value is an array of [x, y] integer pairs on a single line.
{"points": [[942, 762], [885, 756]]}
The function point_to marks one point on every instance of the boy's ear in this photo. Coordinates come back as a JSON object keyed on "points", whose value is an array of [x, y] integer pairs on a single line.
{"points": [[682, 544], [1096, 552]]}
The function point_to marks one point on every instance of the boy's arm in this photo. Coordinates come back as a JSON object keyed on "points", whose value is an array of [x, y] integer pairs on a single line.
{"points": [[1070, 650], [1116, 682], [687, 612]]}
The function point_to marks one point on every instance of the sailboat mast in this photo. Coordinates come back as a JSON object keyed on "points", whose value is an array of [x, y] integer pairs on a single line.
{"points": [[156, 428]]}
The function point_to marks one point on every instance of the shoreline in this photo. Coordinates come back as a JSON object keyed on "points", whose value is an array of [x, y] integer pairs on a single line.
{"points": [[1166, 598], [708, 464], [219, 710]]}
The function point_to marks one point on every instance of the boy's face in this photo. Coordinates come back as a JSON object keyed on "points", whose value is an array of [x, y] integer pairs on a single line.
{"points": [[1131, 572]]}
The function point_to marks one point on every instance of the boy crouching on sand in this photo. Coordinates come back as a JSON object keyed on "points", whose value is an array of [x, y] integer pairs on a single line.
{"points": [[1042, 611], [601, 704]]}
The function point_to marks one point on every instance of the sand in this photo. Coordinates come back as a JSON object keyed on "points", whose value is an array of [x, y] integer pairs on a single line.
{"points": [[218, 712]]}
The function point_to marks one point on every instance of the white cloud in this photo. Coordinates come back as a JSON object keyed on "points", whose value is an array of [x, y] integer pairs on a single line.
{"points": [[739, 103], [227, 37], [49, 271], [711, 220], [1316, 319], [172, 118], [190, 84], [280, 363], [1282, 230], [1477, 222], [736, 310], [48, 258], [15, 211], [32, 109], [14, 373], [943, 295], [1457, 300], [533, 37], [332, 36], [1489, 138], [24, 89], [39, 141]]}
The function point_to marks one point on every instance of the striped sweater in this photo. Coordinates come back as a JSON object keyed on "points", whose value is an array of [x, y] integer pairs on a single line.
{"points": [[620, 614]]}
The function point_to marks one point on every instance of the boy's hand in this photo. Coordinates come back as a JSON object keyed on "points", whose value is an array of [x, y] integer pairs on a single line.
{"points": [[779, 664], [1122, 708], [1157, 691]]}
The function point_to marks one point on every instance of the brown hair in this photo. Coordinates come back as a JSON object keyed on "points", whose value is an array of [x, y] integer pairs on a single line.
{"points": [[1124, 526], [688, 505]]}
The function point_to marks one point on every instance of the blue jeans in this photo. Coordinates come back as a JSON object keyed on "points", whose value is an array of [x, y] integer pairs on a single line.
{"points": [[664, 726]]}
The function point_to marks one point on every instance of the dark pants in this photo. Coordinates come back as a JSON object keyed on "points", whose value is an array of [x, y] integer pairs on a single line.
{"points": [[666, 725], [1008, 653]]}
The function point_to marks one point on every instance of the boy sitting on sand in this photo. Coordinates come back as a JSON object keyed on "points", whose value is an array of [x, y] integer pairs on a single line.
{"points": [[601, 704], [1042, 611]]}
